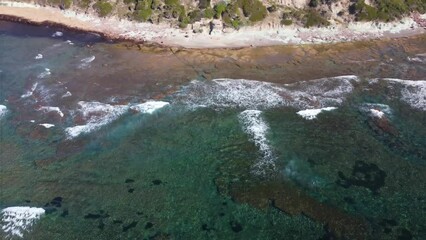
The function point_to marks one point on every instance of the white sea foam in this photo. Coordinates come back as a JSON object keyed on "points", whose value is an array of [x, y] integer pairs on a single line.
{"points": [[249, 94], [377, 113], [255, 126], [48, 109], [376, 110], [88, 59], [85, 62], [15, 221], [45, 73], [311, 114], [69, 42], [39, 56], [3, 110], [413, 92], [67, 94], [58, 34], [30, 92], [149, 107], [416, 59], [95, 115], [47, 125]]}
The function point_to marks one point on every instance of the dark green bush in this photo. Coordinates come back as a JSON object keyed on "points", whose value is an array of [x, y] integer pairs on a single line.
{"points": [[183, 22], [171, 2], [313, 3], [84, 3], [208, 13], [253, 9], [365, 12], [195, 16], [314, 19], [103, 8], [389, 10], [416, 5], [286, 22], [236, 23], [219, 8], [143, 15], [203, 4]]}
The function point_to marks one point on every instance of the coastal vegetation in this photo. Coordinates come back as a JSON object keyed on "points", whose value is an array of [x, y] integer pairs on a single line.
{"points": [[237, 13]]}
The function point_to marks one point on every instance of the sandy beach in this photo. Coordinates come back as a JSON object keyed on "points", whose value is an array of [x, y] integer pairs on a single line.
{"points": [[250, 36]]}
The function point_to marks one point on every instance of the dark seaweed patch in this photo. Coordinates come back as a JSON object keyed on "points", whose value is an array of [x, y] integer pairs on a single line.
{"points": [[117, 221], [364, 175], [64, 213], [157, 182], [405, 234], [27, 201], [139, 213], [149, 225], [221, 214], [349, 200], [129, 226], [328, 235], [49, 210], [131, 190], [236, 226], [128, 180], [205, 227], [101, 225], [56, 202], [92, 216], [388, 222]]}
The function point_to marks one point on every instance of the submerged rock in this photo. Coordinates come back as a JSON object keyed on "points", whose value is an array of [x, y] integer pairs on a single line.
{"points": [[364, 175]]}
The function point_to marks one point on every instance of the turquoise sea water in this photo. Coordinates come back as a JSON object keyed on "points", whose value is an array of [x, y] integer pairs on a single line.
{"points": [[225, 159]]}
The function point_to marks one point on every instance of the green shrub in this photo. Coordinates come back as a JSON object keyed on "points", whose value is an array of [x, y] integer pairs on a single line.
{"points": [[195, 16], [202, 4], [143, 15], [365, 12], [103, 8], [219, 9], [183, 22], [253, 9], [286, 22], [171, 2], [314, 19], [313, 3], [129, 1], [155, 4], [416, 5], [236, 24], [84, 4], [389, 10], [143, 4], [209, 13]]}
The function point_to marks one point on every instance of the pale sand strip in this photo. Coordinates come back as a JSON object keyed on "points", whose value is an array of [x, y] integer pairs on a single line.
{"points": [[248, 36]]}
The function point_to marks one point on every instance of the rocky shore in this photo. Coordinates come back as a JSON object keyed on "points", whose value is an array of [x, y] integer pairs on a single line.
{"points": [[212, 35]]}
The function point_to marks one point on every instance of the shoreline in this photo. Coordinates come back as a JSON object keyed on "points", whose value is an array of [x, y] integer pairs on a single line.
{"points": [[115, 29]]}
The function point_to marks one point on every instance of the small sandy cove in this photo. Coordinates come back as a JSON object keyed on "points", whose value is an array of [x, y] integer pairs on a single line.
{"points": [[252, 36]]}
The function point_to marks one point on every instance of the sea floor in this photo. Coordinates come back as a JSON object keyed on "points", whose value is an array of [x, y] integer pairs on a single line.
{"points": [[103, 141]]}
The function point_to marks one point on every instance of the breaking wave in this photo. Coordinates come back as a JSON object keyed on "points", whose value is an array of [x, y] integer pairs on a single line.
{"points": [[96, 115], [412, 92], [311, 114], [15, 221], [3, 110], [250, 94], [255, 126]]}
